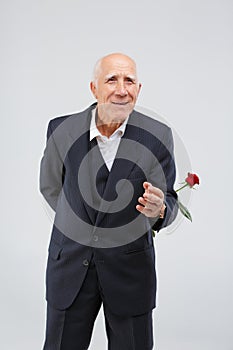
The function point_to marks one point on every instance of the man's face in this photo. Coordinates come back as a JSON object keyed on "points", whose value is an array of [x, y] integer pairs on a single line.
{"points": [[116, 88]]}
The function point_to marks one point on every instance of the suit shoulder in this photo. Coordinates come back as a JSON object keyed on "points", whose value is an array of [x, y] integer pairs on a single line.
{"points": [[55, 122], [151, 123]]}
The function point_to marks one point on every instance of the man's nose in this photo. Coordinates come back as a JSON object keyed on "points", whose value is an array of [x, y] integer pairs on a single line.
{"points": [[121, 89]]}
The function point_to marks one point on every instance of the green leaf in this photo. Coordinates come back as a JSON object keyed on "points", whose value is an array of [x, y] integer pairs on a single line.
{"points": [[184, 211]]}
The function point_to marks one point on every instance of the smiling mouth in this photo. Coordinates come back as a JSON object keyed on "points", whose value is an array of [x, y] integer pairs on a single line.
{"points": [[120, 103]]}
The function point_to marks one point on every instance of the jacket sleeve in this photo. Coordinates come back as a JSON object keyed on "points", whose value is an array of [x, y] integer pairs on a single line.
{"points": [[167, 179], [51, 170]]}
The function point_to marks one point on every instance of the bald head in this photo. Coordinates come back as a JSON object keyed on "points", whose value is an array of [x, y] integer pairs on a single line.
{"points": [[108, 60]]}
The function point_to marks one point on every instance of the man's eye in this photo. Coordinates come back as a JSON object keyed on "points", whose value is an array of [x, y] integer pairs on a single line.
{"points": [[129, 81], [112, 79]]}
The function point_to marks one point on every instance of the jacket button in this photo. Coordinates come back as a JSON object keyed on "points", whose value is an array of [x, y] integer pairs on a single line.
{"points": [[95, 238], [85, 262]]}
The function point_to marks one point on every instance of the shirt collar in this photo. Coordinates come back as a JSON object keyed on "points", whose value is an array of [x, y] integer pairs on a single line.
{"points": [[94, 132]]}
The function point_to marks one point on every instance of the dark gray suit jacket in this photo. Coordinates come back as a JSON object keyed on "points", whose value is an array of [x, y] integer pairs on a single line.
{"points": [[115, 234]]}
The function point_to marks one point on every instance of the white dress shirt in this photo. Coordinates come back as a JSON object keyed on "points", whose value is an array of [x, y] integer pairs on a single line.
{"points": [[108, 145]]}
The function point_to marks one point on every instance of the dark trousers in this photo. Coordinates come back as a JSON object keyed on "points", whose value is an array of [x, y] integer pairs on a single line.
{"points": [[71, 329]]}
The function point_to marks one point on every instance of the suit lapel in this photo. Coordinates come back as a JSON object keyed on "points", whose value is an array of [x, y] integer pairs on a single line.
{"points": [[79, 130]]}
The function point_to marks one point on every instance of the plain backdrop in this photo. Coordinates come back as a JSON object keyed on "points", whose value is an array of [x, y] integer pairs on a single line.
{"points": [[184, 52]]}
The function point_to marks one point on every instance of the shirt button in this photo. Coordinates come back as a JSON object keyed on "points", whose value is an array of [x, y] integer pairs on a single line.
{"points": [[95, 238], [85, 262]]}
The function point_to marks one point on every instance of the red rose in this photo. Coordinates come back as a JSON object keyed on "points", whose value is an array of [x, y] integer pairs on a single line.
{"points": [[192, 179]]}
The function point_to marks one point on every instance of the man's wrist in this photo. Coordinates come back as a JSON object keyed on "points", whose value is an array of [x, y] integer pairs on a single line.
{"points": [[162, 211]]}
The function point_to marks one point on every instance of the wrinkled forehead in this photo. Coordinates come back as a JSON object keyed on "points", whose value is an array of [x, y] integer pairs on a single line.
{"points": [[122, 67]]}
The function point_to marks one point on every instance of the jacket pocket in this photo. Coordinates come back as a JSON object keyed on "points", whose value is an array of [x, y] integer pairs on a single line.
{"points": [[54, 250], [137, 251]]}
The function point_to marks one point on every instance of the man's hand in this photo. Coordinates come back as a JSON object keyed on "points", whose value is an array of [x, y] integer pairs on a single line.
{"points": [[151, 201]]}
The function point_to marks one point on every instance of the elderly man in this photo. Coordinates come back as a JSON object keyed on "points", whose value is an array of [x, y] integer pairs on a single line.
{"points": [[108, 173]]}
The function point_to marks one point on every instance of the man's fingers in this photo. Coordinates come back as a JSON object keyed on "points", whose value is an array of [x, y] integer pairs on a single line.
{"points": [[149, 205], [142, 201], [144, 210], [152, 189], [146, 205], [152, 198]]}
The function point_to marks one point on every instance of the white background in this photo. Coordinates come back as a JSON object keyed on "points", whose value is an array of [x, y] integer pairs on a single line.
{"points": [[184, 53]]}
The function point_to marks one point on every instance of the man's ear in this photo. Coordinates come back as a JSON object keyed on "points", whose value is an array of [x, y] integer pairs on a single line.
{"points": [[139, 87], [93, 89]]}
